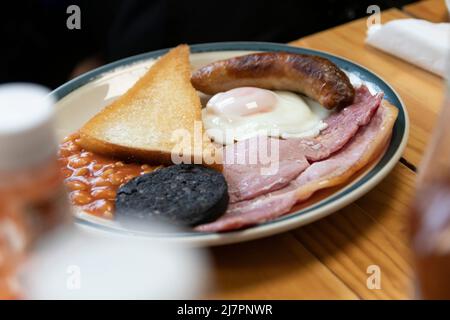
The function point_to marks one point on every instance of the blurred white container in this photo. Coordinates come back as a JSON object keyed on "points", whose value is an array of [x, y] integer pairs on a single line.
{"points": [[32, 194], [77, 264]]}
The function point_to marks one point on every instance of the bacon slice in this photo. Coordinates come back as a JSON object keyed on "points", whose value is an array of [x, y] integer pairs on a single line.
{"points": [[364, 146], [245, 178], [337, 169], [342, 125], [249, 175]]}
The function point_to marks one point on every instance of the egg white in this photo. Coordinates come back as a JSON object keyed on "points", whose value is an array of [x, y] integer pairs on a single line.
{"points": [[292, 117]]}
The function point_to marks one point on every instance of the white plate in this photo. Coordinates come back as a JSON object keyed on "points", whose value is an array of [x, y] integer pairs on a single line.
{"points": [[81, 98]]}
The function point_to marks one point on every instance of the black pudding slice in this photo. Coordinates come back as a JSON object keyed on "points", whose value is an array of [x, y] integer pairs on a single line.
{"points": [[183, 194]]}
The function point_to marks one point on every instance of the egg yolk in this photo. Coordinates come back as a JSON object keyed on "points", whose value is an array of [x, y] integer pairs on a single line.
{"points": [[242, 102]]}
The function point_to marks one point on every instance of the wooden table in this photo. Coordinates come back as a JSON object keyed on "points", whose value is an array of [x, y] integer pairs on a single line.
{"points": [[431, 10], [329, 258]]}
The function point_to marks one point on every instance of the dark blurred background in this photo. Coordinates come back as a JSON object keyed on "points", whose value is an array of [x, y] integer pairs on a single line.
{"points": [[38, 47]]}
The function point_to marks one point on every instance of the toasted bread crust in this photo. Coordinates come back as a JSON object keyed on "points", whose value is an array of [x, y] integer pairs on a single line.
{"points": [[141, 123]]}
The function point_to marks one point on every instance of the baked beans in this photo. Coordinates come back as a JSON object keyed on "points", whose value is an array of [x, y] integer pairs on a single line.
{"points": [[93, 180]]}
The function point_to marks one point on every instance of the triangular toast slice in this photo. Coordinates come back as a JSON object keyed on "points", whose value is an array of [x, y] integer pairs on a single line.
{"points": [[148, 121]]}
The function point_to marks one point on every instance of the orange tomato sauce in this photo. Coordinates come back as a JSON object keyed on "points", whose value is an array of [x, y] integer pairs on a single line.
{"points": [[93, 180]]}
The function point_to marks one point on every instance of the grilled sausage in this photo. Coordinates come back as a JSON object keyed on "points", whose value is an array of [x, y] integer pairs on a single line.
{"points": [[313, 76]]}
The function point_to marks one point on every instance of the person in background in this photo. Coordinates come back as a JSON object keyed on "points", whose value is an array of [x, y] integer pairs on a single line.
{"points": [[38, 47]]}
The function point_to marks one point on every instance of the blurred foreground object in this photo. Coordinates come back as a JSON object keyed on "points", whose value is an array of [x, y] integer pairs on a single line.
{"points": [[422, 43], [42, 254], [431, 214], [32, 195], [76, 263]]}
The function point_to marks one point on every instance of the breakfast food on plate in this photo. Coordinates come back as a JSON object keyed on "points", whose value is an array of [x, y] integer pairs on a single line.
{"points": [[295, 155], [276, 147], [141, 123], [364, 146], [92, 179], [316, 77], [181, 194]]}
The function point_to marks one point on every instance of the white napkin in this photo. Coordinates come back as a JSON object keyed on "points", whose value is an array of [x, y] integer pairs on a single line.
{"points": [[419, 42]]}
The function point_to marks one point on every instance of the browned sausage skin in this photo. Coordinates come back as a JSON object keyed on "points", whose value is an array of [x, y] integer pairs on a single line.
{"points": [[313, 76]]}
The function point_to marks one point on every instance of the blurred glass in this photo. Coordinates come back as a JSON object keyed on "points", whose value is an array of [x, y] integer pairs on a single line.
{"points": [[430, 228]]}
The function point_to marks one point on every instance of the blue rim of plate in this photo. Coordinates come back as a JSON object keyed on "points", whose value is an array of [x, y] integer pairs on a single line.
{"points": [[399, 134]]}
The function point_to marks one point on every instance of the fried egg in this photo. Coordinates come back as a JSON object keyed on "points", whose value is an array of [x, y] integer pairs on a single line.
{"points": [[245, 112]]}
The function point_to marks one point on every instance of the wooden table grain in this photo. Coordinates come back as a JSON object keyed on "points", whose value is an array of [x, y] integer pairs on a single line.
{"points": [[332, 258], [431, 10]]}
